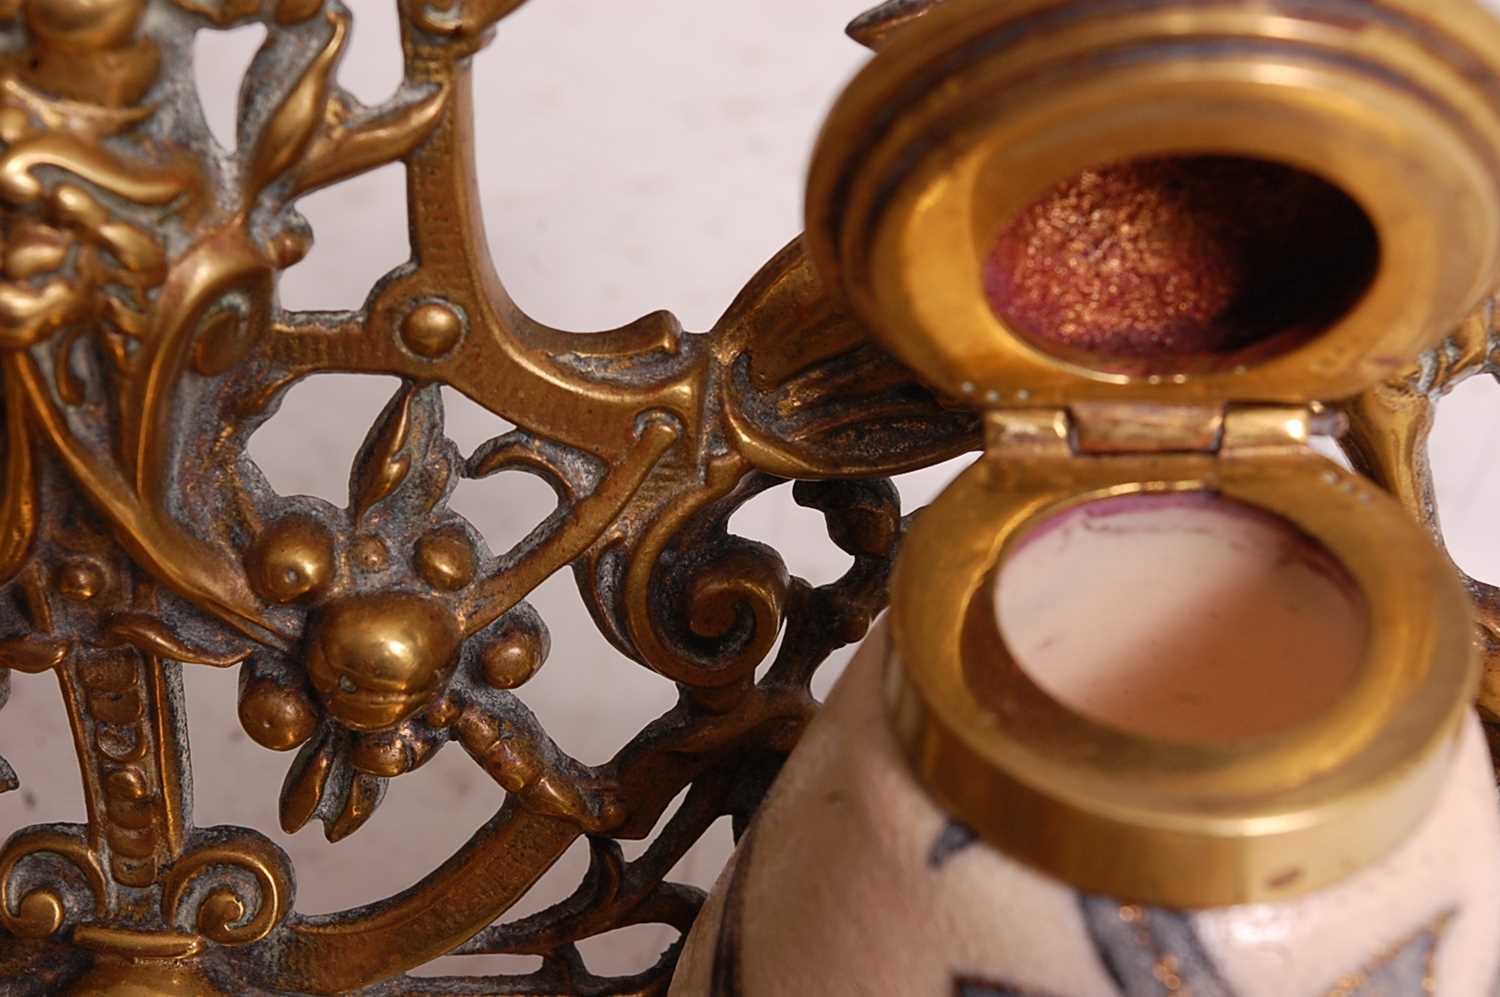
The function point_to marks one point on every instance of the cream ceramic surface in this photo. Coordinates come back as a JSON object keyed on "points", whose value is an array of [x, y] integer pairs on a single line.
{"points": [[1183, 616], [852, 882]]}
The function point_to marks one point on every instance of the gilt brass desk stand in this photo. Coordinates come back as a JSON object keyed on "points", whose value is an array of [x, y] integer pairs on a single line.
{"points": [[143, 344]]}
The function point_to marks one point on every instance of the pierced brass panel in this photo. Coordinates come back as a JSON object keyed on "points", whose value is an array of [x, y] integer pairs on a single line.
{"points": [[143, 344]]}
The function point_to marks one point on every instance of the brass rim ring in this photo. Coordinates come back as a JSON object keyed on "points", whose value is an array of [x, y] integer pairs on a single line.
{"points": [[980, 108], [1177, 824]]}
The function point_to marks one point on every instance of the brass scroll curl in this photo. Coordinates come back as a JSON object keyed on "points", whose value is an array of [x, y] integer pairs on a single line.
{"points": [[225, 912], [43, 910]]}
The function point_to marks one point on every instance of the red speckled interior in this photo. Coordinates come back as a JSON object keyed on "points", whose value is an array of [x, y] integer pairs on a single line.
{"points": [[1182, 263]]}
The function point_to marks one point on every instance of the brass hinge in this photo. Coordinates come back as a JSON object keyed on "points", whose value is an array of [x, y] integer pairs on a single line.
{"points": [[1118, 428]]}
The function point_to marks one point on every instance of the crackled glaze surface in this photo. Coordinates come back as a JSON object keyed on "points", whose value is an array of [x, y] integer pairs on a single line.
{"points": [[852, 882]]}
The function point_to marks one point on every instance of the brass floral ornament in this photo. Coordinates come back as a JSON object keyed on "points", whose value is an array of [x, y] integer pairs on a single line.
{"points": [[142, 344]]}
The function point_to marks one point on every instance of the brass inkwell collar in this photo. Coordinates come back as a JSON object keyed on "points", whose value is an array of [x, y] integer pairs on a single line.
{"points": [[1323, 186]]}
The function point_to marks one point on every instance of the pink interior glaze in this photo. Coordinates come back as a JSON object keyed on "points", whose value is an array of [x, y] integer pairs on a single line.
{"points": [[1187, 617]]}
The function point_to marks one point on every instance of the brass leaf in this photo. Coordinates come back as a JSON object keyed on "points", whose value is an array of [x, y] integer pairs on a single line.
{"points": [[381, 465], [33, 655], [286, 136], [874, 28], [18, 506], [305, 783], [365, 793], [342, 151], [148, 634]]}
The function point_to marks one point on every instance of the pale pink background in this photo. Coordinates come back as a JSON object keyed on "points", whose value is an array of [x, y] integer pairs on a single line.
{"points": [[634, 155]]}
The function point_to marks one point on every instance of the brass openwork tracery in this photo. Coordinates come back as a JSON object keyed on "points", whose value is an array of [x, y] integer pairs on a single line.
{"points": [[142, 344]]}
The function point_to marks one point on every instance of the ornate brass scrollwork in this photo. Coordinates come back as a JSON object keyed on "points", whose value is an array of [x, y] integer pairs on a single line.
{"points": [[142, 344]]}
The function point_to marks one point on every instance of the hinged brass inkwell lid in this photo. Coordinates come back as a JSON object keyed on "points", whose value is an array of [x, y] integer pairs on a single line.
{"points": [[1150, 241]]}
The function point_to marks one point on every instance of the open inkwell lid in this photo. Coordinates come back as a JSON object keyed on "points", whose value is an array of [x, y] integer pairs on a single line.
{"points": [[1150, 241]]}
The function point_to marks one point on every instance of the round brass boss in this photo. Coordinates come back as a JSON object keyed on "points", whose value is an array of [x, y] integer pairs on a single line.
{"points": [[1149, 820]]}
